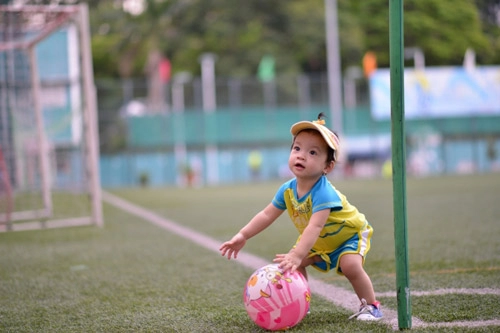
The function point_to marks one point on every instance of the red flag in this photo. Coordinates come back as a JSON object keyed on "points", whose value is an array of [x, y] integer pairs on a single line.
{"points": [[165, 70]]}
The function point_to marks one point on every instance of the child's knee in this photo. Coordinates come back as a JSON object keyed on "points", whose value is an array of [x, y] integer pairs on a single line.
{"points": [[351, 265]]}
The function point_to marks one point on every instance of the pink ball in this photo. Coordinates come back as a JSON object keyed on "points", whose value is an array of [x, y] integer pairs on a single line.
{"points": [[275, 300]]}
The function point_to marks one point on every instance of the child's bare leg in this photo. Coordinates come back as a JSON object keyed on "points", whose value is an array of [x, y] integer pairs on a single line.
{"points": [[352, 267], [306, 262]]}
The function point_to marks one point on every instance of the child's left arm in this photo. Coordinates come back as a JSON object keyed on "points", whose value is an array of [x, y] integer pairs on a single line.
{"points": [[292, 260]]}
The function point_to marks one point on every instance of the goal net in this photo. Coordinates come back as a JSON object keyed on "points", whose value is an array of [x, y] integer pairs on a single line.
{"points": [[49, 174]]}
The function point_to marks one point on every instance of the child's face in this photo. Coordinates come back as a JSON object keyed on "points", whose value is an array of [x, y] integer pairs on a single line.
{"points": [[309, 155]]}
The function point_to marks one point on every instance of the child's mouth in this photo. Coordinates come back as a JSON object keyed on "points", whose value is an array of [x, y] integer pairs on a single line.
{"points": [[299, 166]]}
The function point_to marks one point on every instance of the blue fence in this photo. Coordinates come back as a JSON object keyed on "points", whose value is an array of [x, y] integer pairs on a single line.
{"points": [[435, 146]]}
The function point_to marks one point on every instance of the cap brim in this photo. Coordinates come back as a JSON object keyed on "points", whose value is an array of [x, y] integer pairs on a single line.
{"points": [[302, 125], [329, 137]]}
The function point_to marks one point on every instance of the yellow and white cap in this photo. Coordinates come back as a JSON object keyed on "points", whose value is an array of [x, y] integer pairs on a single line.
{"points": [[330, 138]]}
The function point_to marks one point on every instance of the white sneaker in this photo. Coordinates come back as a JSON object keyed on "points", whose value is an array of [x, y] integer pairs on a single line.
{"points": [[368, 312]]}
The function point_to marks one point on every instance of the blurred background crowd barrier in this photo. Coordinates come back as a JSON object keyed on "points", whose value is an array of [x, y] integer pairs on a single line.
{"points": [[179, 142], [189, 130]]}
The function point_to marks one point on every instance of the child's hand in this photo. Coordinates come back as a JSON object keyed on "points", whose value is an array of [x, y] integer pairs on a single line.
{"points": [[232, 247], [290, 261]]}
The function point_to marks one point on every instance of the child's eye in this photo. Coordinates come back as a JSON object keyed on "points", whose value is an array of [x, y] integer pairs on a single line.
{"points": [[296, 148], [313, 152]]}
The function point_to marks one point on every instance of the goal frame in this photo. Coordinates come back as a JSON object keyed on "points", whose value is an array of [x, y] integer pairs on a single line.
{"points": [[77, 14]]}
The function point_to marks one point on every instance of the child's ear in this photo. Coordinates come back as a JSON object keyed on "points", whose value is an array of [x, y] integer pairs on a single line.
{"points": [[329, 167]]}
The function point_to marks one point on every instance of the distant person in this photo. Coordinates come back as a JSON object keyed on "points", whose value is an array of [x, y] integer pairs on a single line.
{"points": [[491, 151], [5, 191], [333, 233], [255, 164]]}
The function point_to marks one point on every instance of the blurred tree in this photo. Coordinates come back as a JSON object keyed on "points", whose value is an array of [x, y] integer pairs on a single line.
{"points": [[292, 31], [444, 30], [490, 14], [490, 11], [307, 34], [129, 40], [240, 33], [436, 27]]}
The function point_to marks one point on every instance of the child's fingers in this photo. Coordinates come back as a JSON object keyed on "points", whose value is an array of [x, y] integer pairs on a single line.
{"points": [[226, 250]]}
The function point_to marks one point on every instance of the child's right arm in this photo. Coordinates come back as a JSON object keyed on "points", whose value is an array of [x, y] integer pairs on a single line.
{"points": [[259, 222]]}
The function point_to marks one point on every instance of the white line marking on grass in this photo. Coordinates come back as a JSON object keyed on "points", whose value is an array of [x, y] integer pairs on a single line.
{"points": [[461, 291], [338, 296]]}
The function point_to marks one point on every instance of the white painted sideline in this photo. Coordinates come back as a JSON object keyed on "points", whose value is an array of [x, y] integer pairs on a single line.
{"points": [[338, 296]]}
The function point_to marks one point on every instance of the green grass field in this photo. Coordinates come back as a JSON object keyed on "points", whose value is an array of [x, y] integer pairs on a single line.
{"points": [[132, 276]]}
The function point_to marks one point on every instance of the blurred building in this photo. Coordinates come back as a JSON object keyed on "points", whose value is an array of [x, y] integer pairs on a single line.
{"points": [[451, 127]]}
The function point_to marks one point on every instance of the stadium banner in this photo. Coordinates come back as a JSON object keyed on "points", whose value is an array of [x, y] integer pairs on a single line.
{"points": [[437, 92]]}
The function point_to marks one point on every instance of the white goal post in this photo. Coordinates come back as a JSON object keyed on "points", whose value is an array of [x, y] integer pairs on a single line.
{"points": [[49, 153]]}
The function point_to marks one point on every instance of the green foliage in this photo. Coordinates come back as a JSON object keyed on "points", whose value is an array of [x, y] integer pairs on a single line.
{"points": [[444, 30], [104, 61], [436, 27], [292, 31]]}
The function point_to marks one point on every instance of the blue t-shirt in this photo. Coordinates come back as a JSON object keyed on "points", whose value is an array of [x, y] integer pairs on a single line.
{"points": [[343, 222]]}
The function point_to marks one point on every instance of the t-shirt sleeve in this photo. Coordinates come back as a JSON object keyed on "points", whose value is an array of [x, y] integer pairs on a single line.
{"points": [[279, 197], [326, 197]]}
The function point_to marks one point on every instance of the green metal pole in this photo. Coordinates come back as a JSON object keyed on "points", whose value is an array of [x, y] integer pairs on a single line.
{"points": [[396, 19]]}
